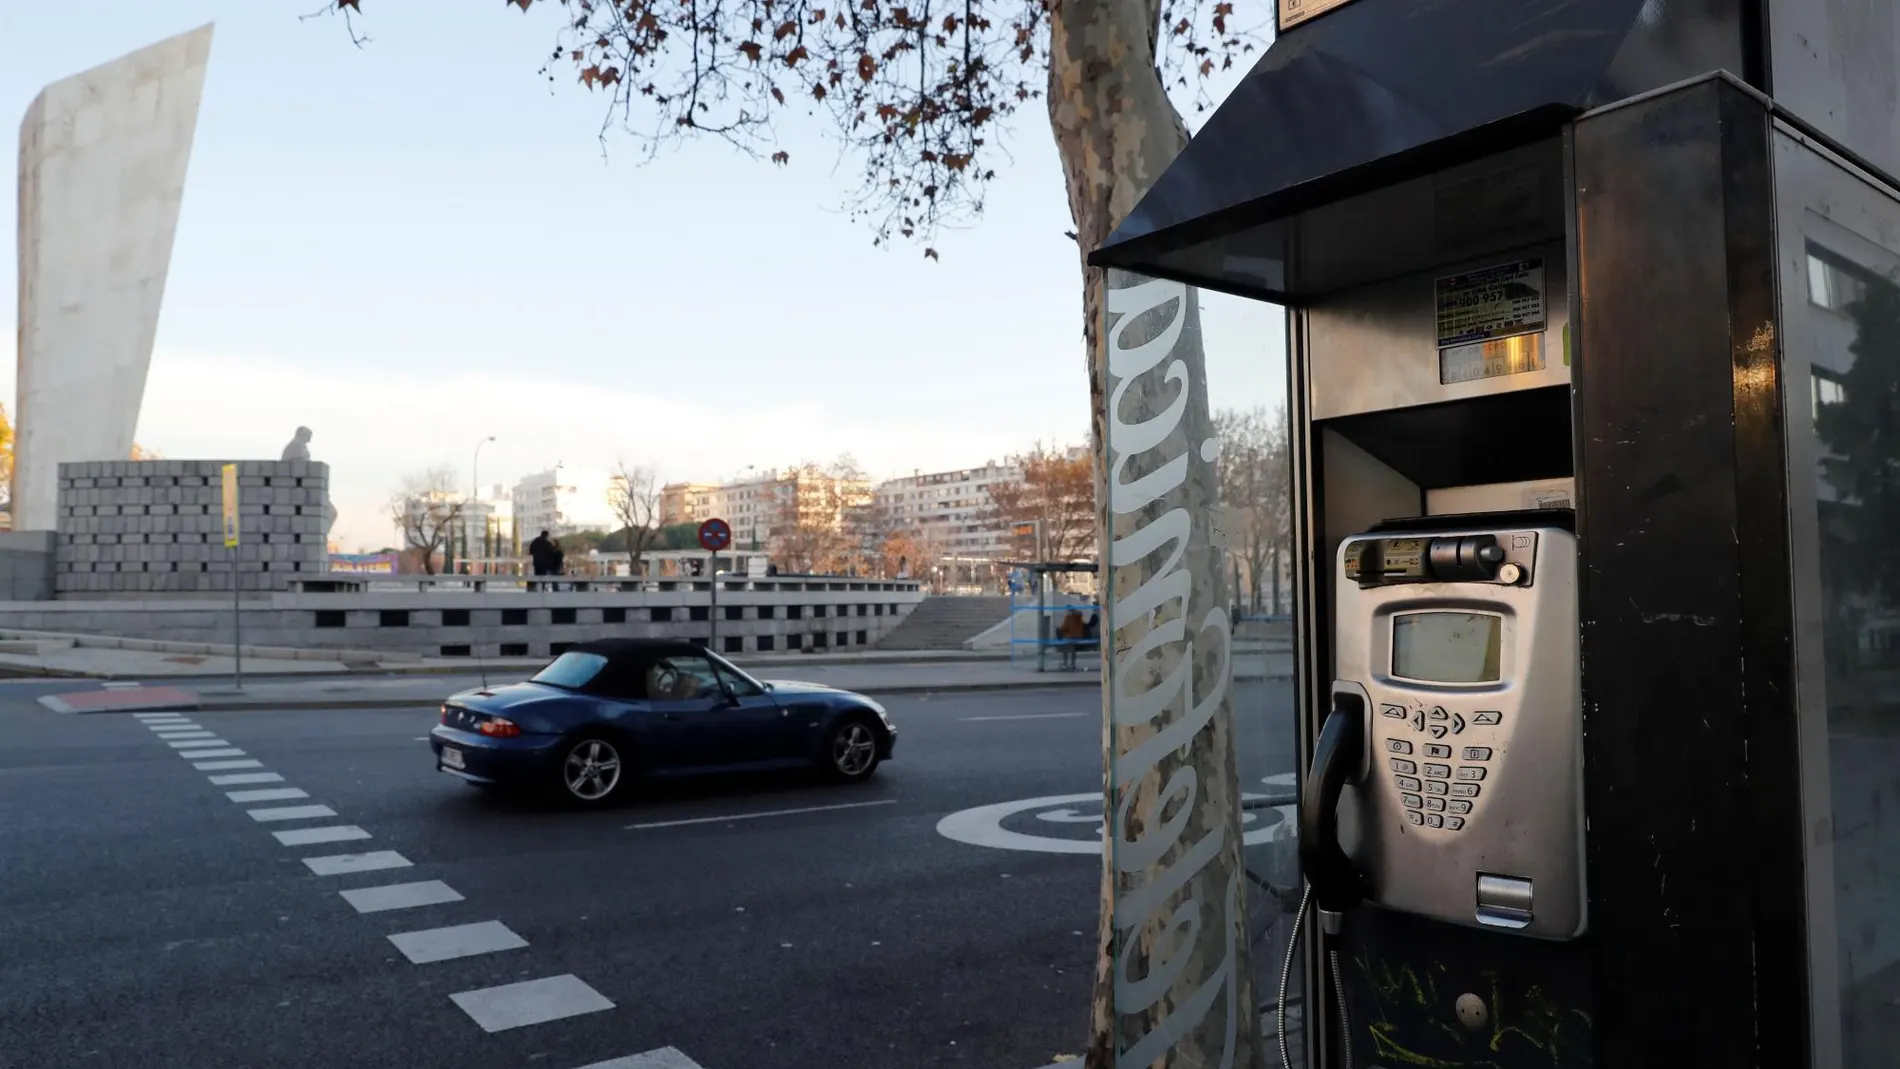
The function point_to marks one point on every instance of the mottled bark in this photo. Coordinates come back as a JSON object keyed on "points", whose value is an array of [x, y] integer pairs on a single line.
{"points": [[1173, 986]]}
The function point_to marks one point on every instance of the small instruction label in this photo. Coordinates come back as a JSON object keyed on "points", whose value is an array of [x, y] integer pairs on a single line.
{"points": [[1497, 302], [1294, 12]]}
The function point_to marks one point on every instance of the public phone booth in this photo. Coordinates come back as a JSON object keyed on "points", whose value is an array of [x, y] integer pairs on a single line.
{"points": [[1593, 323]]}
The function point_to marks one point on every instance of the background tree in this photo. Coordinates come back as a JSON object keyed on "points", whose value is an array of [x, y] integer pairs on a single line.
{"points": [[6, 454], [425, 511], [634, 494], [1254, 484], [1057, 490], [679, 536], [922, 95], [822, 522]]}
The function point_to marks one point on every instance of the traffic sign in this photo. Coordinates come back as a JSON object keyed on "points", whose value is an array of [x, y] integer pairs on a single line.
{"points": [[715, 535], [230, 506]]}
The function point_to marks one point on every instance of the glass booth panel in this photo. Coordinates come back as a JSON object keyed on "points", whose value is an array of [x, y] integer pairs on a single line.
{"points": [[1840, 279], [1197, 601]]}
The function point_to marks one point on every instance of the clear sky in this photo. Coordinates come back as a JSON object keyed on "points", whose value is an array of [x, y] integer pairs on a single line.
{"points": [[416, 244]]}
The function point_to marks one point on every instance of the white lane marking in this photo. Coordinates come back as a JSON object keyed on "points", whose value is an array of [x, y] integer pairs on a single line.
{"points": [[221, 766], [1281, 779], [1022, 716], [291, 812], [338, 833], [193, 755], [497, 1009], [272, 794], [184, 731], [664, 1058], [198, 742], [400, 896], [458, 941], [344, 864], [246, 777], [983, 825], [156, 716], [755, 816]]}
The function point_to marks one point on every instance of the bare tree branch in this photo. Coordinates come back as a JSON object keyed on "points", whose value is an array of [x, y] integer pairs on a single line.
{"points": [[425, 510]]}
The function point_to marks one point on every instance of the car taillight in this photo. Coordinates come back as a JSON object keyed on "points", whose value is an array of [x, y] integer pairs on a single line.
{"points": [[445, 714], [499, 728]]}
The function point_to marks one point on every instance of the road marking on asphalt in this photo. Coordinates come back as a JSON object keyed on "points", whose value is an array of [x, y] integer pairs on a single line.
{"points": [[158, 716], [664, 1058], [344, 864], [457, 941], [197, 742], [1023, 716], [221, 766], [272, 794], [184, 731], [291, 812], [983, 825], [498, 1009], [338, 833], [228, 751], [246, 777], [755, 816], [400, 896]]}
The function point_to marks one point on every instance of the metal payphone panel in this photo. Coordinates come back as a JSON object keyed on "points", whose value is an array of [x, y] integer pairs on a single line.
{"points": [[1470, 800]]}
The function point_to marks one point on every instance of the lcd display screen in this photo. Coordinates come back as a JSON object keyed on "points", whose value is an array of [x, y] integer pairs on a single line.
{"points": [[1447, 647]]}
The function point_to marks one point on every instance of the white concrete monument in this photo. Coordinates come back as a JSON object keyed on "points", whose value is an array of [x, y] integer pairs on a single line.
{"points": [[102, 172]]}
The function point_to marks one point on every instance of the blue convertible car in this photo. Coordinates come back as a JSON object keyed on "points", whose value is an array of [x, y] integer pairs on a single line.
{"points": [[604, 712]]}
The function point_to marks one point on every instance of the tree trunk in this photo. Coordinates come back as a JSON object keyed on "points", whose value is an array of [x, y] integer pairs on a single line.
{"points": [[1173, 985]]}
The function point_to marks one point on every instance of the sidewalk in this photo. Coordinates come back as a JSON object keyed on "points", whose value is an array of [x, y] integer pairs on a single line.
{"points": [[870, 675]]}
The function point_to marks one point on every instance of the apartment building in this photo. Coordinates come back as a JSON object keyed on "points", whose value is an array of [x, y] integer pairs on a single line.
{"points": [[562, 501], [752, 504], [949, 510]]}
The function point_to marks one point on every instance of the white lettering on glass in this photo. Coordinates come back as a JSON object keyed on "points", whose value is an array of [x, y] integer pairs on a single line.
{"points": [[1164, 885]]}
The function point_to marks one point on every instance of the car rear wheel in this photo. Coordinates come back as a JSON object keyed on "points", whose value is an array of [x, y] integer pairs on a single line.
{"points": [[851, 752], [592, 770]]}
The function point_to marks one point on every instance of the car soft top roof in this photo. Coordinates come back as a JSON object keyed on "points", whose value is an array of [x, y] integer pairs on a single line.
{"points": [[617, 648]]}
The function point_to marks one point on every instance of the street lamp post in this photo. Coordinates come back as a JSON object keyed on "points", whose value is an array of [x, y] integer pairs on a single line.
{"points": [[475, 487]]}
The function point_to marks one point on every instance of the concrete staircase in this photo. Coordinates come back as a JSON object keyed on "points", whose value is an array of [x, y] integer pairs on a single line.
{"points": [[943, 622]]}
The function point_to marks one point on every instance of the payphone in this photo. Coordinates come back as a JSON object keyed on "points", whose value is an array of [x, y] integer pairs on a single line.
{"points": [[1454, 726]]}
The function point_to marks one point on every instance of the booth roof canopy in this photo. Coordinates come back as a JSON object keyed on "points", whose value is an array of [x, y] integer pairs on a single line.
{"points": [[1383, 90]]}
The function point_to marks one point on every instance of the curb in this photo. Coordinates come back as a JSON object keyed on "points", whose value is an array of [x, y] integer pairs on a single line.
{"points": [[423, 703], [308, 705]]}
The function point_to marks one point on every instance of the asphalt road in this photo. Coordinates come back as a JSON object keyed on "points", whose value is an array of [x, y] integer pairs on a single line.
{"points": [[148, 920]]}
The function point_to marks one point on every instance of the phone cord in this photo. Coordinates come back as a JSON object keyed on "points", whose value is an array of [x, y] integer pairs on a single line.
{"points": [[1286, 973], [1345, 1015]]}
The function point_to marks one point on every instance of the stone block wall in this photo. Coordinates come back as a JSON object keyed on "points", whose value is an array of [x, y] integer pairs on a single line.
{"points": [[26, 565], [135, 528]]}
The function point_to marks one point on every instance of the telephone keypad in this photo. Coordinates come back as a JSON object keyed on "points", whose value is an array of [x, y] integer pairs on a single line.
{"points": [[1428, 798]]}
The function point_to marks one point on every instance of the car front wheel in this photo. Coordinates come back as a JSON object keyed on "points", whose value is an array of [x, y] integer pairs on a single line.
{"points": [[592, 770], [851, 753]]}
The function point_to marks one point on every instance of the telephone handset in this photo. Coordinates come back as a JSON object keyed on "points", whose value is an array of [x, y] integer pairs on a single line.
{"points": [[1337, 885], [1456, 721]]}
